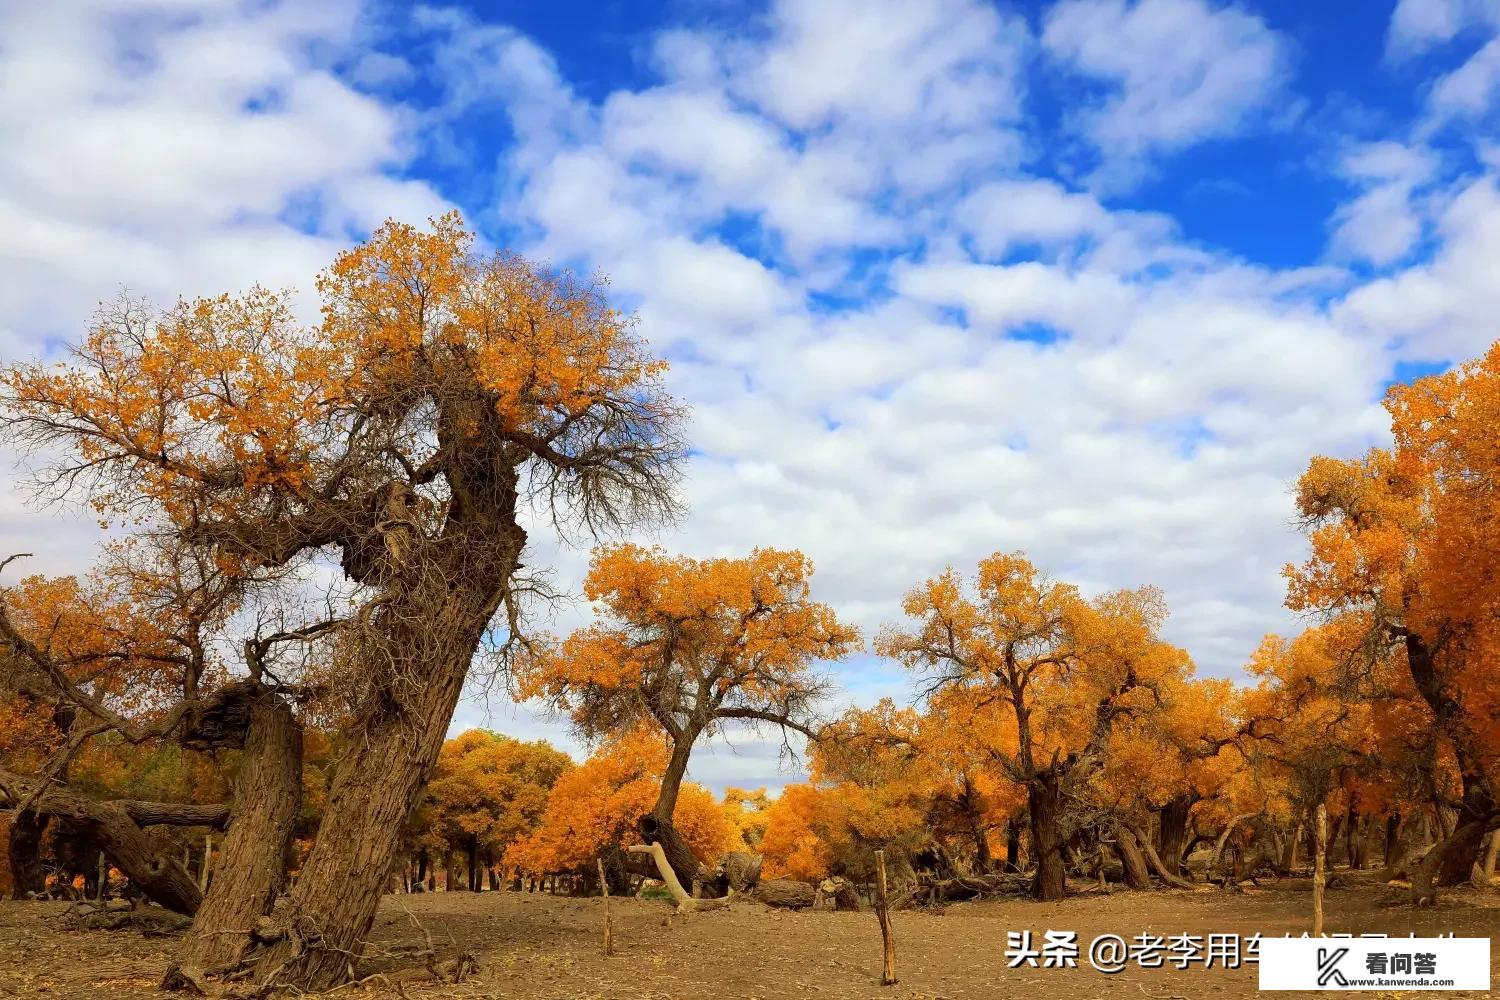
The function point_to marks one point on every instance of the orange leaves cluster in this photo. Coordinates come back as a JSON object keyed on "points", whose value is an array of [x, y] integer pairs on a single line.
{"points": [[1016, 638], [218, 405], [545, 345], [594, 808], [1405, 554], [704, 635], [490, 790]]}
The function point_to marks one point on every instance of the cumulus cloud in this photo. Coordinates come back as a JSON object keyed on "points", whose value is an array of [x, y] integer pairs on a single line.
{"points": [[1417, 25], [1383, 223], [1174, 72]]}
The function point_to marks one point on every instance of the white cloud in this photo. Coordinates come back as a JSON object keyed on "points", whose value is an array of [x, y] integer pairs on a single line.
{"points": [[1442, 309], [1177, 72], [1473, 88], [1382, 224], [945, 64], [1417, 25]]}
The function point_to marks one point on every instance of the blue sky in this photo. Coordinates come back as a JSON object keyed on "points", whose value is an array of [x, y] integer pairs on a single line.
{"points": [[1089, 278]]}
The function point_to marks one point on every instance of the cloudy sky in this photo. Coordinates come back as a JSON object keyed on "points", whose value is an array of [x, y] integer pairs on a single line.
{"points": [[1091, 278]]}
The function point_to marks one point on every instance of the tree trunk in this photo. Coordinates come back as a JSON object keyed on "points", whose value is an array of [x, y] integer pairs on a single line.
{"points": [[1320, 850], [680, 856], [251, 869], [451, 881], [1013, 845], [1332, 840], [25, 853], [1154, 861], [1223, 838], [473, 863], [1460, 858], [784, 893], [1136, 875], [1289, 858], [1463, 843], [1172, 831], [1392, 841], [1491, 856], [159, 876], [658, 827], [982, 860], [419, 673], [1042, 795]]}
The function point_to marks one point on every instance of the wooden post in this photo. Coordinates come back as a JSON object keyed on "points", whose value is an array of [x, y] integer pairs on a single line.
{"points": [[103, 876], [1320, 845], [882, 913], [208, 856], [609, 925]]}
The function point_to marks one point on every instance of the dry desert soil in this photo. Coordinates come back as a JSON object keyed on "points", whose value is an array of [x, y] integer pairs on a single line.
{"points": [[539, 947]]}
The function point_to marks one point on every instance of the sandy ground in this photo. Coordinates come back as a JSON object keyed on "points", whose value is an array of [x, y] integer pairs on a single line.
{"points": [[536, 946]]}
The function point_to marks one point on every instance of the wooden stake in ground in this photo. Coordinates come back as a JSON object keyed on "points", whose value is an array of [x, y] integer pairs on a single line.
{"points": [[883, 914], [609, 925], [1320, 852], [208, 857]]}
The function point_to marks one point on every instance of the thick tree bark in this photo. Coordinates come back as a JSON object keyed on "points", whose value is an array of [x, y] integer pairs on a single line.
{"points": [[658, 828], [982, 860], [1463, 843], [784, 893], [1172, 831], [158, 875], [1392, 856], [1289, 856], [267, 797], [1217, 856], [1044, 808], [24, 853], [688, 868], [418, 674], [1129, 851], [1460, 858], [1013, 845]]}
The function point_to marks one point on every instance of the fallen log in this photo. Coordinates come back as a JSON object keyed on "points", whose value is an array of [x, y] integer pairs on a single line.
{"points": [[784, 893], [966, 887], [109, 823]]}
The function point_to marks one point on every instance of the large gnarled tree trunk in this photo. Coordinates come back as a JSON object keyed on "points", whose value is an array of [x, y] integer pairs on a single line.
{"points": [[376, 783], [1172, 831], [1044, 807], [251, 869]]}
